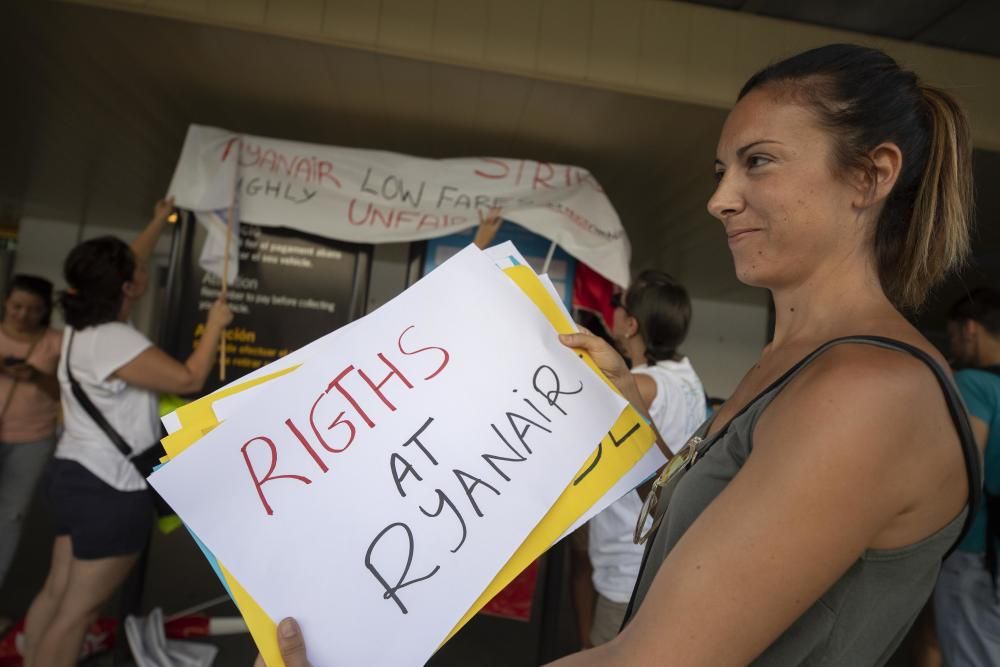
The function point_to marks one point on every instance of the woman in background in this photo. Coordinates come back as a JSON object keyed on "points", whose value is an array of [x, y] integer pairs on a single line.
{"points": [[103, 508], [649, 324], [29, 402]]}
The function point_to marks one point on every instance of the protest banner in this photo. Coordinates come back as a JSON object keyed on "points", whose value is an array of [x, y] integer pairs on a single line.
{"points": [[366, 196], [400, 492]]}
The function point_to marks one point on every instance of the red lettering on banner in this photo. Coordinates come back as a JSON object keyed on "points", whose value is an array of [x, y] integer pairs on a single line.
{"points": [[270, 476], [307, 176], [366, 213], [350, 213], [498, 163], [385, 217], [269, 160], [428, 220], [306, 168], [403, 217], [540, 180], [520, 171], [325, 170], [229, 145]]}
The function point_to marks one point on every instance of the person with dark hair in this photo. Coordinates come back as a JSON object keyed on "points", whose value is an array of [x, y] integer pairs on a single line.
{"points": [[966, 598], [650, 322], [102, 507], [806, 523], [29, 402]]}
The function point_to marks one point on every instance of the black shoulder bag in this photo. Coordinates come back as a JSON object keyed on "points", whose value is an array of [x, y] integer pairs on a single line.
{"points": [[144, 461]]}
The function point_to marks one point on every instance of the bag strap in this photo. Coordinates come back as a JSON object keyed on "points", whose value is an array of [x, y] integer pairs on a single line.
{"points": [[91, 409], [956, 409], [960, 417]]}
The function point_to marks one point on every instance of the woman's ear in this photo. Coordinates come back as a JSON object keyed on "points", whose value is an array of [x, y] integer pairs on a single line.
{"points": [[631, 326], [876, 181], [129, 289]]}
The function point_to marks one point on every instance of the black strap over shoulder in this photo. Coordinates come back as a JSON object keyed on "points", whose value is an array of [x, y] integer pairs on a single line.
{"points": [[956, 408], [959, 415], [91, 409]]}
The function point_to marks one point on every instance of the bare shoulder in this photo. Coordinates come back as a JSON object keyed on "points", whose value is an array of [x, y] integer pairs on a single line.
{"points": [[647, 388], [867, 380], [879, 417], [863, 401]]}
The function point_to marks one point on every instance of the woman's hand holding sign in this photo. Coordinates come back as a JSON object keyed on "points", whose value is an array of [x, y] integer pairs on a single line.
{"points": [[608, 361], [291, 644]]}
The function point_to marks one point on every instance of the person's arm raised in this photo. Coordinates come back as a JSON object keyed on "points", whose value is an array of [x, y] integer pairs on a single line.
{"points": [[144, 244], [157, 371], [489, 225], [840, 460]]}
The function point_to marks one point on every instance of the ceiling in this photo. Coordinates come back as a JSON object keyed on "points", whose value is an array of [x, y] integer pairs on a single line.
{"points": [[962, 25], [102, 99]]}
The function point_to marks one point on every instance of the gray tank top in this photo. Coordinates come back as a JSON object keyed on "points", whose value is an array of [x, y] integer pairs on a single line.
{"points": [[864, 616]]}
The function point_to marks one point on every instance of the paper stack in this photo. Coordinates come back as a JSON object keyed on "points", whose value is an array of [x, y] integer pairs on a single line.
{"points": [[383, 483]]}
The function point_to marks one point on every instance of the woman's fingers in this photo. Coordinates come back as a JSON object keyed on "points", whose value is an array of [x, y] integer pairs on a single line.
{"points": [[584, 339], [292, 644]]}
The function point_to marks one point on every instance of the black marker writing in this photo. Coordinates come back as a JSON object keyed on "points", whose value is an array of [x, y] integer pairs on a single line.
{"points": [[391, 590], [551, 395]]}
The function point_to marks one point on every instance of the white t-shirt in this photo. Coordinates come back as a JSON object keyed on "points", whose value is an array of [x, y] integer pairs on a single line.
{"points": [[97, 353], [677, 411]]}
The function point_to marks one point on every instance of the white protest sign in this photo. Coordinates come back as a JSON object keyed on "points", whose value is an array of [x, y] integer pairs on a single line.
{"points": [[366, 196], [377, 496]]}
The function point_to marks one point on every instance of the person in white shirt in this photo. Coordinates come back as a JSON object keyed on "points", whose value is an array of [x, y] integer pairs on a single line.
{"points": [[102, 508], [650, 322]]}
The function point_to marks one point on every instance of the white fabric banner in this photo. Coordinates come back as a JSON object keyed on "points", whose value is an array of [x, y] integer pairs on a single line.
{"points": [[366, 196]]}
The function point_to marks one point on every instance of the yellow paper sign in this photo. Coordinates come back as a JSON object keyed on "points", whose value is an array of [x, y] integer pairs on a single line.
{"points": [[629, 439]]}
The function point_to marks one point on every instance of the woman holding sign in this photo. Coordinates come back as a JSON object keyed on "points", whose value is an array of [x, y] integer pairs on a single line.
{"points": [[806, 523], [102, 506]]}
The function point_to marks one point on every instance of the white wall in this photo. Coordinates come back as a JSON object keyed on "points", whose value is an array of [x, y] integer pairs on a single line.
{"points": [[724, 341]]}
